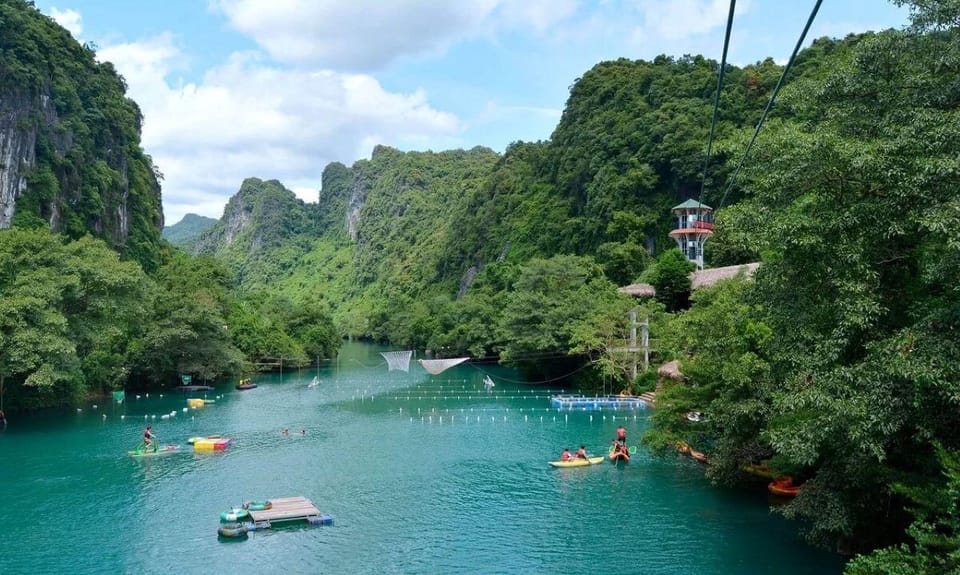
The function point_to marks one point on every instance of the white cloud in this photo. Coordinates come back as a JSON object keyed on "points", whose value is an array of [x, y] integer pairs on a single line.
{"points": [[247, 117], [679, 19], [369, 34], [69, 19]]}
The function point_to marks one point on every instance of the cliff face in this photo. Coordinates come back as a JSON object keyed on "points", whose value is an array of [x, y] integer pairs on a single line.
{"points": [[70, 156], [17, 153], [262, 214]]}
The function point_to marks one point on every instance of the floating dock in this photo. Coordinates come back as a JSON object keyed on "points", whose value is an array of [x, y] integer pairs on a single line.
{"points": [[290, 509], [193, 388], [598, 402]]}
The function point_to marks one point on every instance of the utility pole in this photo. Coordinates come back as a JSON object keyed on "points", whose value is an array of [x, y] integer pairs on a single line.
{"points": [[644, 342], [633, 344]]}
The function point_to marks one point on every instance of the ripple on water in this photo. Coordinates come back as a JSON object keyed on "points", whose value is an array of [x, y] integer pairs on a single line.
{"points": [[461, 496]]}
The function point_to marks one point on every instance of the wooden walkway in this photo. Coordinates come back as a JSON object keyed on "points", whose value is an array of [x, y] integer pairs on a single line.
{"points": [[287, 509]]}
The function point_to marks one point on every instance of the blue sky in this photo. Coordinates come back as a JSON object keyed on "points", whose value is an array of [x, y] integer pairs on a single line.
{"points": [[279, 88]]}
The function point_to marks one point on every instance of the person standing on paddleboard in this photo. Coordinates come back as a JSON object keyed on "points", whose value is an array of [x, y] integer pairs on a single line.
{"points": [[148, 438]]}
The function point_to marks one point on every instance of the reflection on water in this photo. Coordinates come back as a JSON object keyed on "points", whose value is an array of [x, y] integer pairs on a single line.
{"points": [[422, 474]]}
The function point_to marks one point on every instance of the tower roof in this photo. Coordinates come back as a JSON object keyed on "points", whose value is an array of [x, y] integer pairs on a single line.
{"points": [[691, 203]]}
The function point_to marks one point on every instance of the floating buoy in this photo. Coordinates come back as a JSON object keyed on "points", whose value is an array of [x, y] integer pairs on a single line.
{"points": [[94, 405]]}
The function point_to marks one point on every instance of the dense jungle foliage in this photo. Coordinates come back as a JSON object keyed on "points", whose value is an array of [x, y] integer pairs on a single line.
{"points": [[90, 174], [80, 318], [837, 366]]}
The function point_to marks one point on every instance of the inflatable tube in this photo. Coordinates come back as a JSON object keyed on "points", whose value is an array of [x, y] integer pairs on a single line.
{"points": [[234, 515], [232, 530], [257, 505], [193, 440]]}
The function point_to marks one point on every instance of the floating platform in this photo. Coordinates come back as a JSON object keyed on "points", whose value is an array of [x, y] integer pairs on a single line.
{"points": [[193, 388], [597, 402], [290, 509]]}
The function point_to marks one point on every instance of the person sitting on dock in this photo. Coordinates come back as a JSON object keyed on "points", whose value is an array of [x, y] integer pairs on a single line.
{"points": [[148, 437], [565, 456], [581, 453]]}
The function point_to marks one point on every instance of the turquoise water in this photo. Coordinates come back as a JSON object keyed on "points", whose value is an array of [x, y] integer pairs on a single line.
{"points": [[422, 474]]}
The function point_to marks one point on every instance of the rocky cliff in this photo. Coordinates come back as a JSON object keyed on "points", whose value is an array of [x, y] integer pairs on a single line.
{"points": [[70, 155]]}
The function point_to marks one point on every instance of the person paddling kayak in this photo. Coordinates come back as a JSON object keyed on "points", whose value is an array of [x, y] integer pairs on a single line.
{"points": [[581, 453], [565, 456]]}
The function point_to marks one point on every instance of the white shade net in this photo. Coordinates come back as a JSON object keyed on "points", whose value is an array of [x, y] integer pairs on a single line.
{"points": [[438, 366], [397, 360]]}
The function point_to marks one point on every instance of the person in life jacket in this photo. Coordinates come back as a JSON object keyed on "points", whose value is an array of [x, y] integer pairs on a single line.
{"points": [[581, 453], [565, 456]]}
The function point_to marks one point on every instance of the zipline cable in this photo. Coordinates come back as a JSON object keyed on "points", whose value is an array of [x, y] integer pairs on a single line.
{"points": [[716, 99], [786, 69]]}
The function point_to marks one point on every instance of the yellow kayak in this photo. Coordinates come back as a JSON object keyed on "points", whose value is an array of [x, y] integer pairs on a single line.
{"points": [[577, 462]]}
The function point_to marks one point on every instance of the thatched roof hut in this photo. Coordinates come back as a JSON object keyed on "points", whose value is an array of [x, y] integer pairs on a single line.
{"points": [[698, 279], [671, 370], [638, 290], [706, 278]]}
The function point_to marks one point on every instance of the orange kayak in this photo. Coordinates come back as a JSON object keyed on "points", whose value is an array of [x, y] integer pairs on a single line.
{"points": [[783, 487]]}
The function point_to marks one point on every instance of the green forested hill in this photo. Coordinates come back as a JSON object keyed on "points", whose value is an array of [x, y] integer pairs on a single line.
{"points": [[402, 235], [837, 366], [72, 160], [91, 298], [186, 232]]}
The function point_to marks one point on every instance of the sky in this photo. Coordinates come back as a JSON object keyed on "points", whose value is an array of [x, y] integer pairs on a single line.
{"points": [[277, 89]]}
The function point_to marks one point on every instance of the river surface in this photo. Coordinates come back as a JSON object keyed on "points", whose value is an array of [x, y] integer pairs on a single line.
{"points": [[421, 474]]}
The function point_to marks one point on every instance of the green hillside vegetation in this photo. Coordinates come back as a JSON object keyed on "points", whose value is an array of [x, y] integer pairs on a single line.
{"points": [[837, 366], [185, 233], [89, 166], [83, 315]]}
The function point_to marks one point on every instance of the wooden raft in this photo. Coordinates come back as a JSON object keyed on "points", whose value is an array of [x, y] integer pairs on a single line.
{"points": [[287, 509]]}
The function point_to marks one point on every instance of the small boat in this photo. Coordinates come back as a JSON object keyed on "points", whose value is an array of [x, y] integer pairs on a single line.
{"points": [[695, 416], [488, 383], [576, 462], [245, 384], [702, 458], [759, 469], [783, 487], [141, 452], [314, 382]]}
